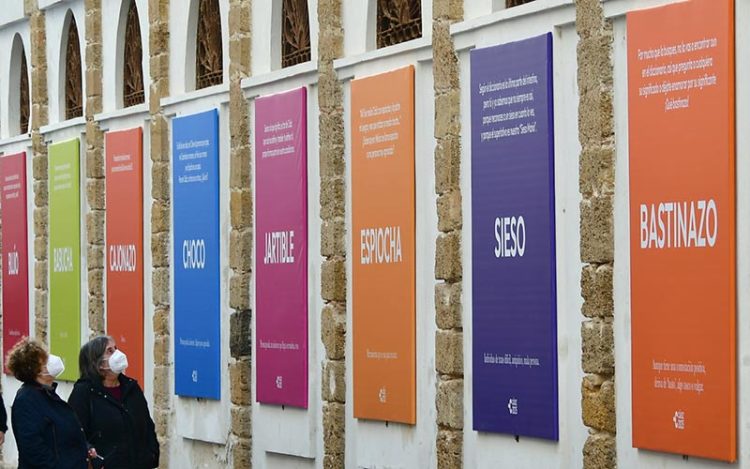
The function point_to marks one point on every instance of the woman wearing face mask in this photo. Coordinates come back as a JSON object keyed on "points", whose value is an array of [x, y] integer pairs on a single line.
{"points": [[47, 432], [113, 409]]}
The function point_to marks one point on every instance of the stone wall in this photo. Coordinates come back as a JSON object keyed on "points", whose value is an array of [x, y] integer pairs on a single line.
{"points": [[596, 136], [333, 238], [449, 360]]}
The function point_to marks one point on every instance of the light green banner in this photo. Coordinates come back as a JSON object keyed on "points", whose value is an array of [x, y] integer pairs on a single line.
{"points": [[65, 254]]}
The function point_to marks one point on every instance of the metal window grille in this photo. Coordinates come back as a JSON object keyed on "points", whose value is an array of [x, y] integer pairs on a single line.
{"points": [[515, 3], [209, 66], [73, 85], [295, 38], [132, 79], [398, 21], [23, 100]]}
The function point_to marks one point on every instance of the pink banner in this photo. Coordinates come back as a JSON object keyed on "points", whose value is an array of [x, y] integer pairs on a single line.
{"points": [[281, 247], [15, 259]]}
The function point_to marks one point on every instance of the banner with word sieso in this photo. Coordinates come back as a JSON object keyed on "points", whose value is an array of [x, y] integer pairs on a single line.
{"points": [[682, 228], [124, 252], [281, 247], [195, 182], [15, 250], [383, 211], [514, 319], [65, 254]]}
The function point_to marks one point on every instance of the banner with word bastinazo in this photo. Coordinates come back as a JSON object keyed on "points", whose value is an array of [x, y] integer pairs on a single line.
{"points": [[682, 228], [281, 247], [514, 307], [15, 250], [65, 254], [383, 211], [197, 303], [124, 252]]}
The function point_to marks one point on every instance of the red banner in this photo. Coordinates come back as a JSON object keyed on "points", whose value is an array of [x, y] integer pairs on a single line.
{"points": [[15, 252], [124, 254]]}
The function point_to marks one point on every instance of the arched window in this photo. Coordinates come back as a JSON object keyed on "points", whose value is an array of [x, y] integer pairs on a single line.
{"points": [[295, 38], [73, 84], [132, 70], [515, 3], [398, 21], [23, 93], [209, 62]]}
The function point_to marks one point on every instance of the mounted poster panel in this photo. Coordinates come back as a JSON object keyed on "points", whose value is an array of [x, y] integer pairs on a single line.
{"points": [[281, 247], [514, 346], [682, 228], [15, 250], [197, 303], [383, 211], [65, 254], [124, 251]]}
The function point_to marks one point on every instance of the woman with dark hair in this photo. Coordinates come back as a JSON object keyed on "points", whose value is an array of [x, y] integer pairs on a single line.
{"points": [[113, 409], [47, 432]]}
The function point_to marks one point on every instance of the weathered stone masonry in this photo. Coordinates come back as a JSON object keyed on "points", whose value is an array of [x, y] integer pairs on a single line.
{"points": [[158, 12], [333, 240], [596, 135], [241, 237], [449, 360]]}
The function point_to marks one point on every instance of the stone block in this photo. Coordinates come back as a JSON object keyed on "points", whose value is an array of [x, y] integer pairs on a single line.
{"points": [[450, 403], [449, 449], [240, 377], [598, 355], [160, 217], [445, 66], [161, 320], [597, 170], [447, 114], [600, 452], [242, 454], [334, 381], [241, 208], [448, 264], [161, 350], [334, 428], [241, 250], [450, 216], [597, 291], [95, 256], [597, 230], [447, 165], [160, 249], [161, 287], [333, 280], [598, 404], [333, 331], [95, 227], [333, 238], [448, 305], [332, 198], [239, 291], [240, 334], [449, 357], [160, 182]]}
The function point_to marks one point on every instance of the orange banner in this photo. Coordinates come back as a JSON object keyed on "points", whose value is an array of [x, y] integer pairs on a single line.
{"points": [[124, 252], [383, 246], [682, 228]]}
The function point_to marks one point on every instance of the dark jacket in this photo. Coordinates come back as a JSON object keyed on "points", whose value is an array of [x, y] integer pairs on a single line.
{"points": [[3, 416], [47, 432], [121, 431]]}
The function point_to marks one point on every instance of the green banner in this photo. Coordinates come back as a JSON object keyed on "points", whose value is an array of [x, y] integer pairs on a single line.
{"points": [[65, 255]]}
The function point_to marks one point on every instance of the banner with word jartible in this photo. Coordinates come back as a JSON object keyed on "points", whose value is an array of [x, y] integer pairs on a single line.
{"points": [[682, 228], [124, 251], [383, 246], [514, 343], [65, 254], [15, 250], [281, 247], [197, 303]]}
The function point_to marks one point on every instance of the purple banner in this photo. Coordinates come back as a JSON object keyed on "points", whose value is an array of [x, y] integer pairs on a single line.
{"points": [[281, 247], [513, 240]]}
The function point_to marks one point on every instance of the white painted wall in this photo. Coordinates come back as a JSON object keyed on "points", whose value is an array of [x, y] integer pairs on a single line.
{"points": [[11, 11]]}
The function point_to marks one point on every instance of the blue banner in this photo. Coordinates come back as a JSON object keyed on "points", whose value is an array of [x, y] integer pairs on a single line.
{"points": [[513, 240], [197, 317]]}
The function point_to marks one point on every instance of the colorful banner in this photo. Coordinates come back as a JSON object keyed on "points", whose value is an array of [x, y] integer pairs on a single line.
{"points": [[383, 211], [124, 251], [15, 250], [682, 228], [514, 319], [65, 254], [197, 303], [281, 247]]}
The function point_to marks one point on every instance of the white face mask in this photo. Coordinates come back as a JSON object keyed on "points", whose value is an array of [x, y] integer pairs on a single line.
{"points": [[118, 362], [55, 366]]}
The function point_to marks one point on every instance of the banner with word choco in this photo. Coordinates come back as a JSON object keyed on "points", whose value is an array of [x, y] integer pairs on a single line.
{"points": [[197, 303], [281, 247], [124, 252], [65, 254], [15, 250], [682, 228], [383, 212], [514, 318]]}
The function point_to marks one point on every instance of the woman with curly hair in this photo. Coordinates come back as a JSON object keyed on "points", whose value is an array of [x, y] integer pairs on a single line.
{"points": [[47, 432], [112, 408]]}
